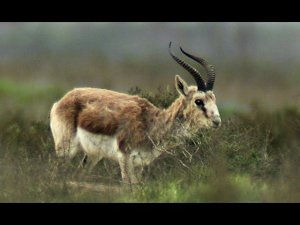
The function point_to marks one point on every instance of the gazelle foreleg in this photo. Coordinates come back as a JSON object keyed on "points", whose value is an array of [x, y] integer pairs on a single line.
{"points": [[128, 170]]}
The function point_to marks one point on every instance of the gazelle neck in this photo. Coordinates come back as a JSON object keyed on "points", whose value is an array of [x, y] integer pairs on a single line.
{"points": [[168, 122]]}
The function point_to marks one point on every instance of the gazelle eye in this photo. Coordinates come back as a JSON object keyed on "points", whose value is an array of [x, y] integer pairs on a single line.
{"points": [[199, 102]]}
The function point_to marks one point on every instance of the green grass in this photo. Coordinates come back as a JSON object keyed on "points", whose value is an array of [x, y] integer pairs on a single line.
{"points": [[253, 157], [26, 92]]}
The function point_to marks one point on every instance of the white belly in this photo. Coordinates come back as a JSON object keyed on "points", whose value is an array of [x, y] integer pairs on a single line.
{"points": [[96, 144], [107, 146]]}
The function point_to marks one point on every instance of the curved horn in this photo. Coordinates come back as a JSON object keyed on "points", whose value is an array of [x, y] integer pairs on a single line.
{"points": [[200, 82], [210, 70]]}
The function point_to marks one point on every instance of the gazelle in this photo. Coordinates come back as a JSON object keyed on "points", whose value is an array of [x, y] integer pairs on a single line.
{"points": [[129, 129]]}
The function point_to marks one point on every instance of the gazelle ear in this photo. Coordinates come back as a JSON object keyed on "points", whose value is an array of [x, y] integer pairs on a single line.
{"points": [[181, 85]]}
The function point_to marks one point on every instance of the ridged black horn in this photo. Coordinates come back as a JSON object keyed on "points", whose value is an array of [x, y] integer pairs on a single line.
{"points": [[210, 70], [200, 82]]}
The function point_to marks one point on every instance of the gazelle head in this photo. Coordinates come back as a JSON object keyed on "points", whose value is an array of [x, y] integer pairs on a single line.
{"points": [[200, 109]]}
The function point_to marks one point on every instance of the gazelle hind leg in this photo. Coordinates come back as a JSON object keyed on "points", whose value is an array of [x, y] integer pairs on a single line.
{"points": [[67, 149], [83, 161], [91, 162], [66, 143], [139, 173], [87, 164]]}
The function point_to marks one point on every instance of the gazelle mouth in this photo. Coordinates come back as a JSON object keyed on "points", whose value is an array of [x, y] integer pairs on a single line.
{"points": [[216, 124]]}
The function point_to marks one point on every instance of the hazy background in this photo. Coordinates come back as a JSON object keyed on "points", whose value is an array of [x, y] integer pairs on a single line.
{"points": [[253, 157], [255, 62]]}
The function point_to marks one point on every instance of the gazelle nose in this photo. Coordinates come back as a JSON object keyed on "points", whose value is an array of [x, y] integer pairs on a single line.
{"points": [[216, 122]]}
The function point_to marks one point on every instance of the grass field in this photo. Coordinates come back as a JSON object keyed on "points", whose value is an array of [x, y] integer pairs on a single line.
{"points": [[253, 157]]}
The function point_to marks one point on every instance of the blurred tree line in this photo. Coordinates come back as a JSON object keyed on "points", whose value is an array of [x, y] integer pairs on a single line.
{"points": [[276, 42]]}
